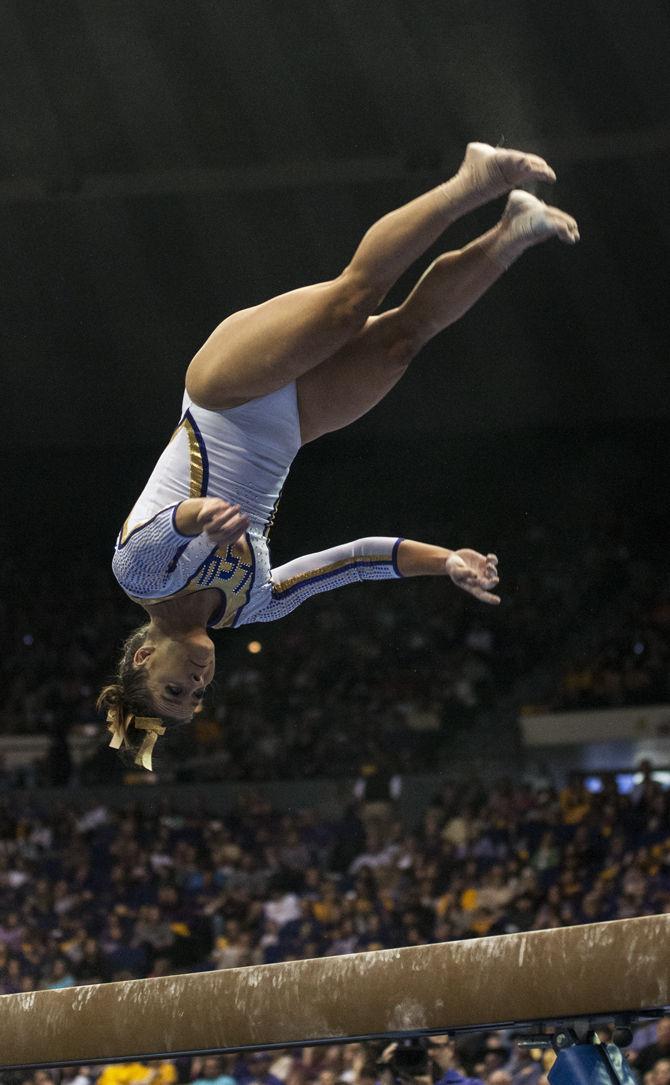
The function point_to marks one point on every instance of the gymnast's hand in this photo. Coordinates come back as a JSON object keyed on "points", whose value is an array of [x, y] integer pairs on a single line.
{"points": [[223, 523], [474, 573]]}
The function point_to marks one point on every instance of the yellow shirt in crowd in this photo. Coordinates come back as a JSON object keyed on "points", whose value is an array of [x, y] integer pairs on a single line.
{"points": [[137, 1073]]}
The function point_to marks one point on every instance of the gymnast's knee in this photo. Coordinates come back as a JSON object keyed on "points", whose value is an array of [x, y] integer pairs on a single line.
{"points": [[357, 298], [403, 340]]}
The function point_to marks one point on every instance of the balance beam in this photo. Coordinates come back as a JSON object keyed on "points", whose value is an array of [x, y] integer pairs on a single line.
{"points": [[596, 971]]}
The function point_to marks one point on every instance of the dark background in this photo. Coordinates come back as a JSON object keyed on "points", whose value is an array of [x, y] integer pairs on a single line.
{"points": [[165, 162]]}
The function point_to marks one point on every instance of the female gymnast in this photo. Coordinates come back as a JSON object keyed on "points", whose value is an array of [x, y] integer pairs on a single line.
{"points": [[193, 551]]}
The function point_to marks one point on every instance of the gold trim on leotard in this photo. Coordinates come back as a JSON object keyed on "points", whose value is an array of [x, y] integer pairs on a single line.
{"points": [[195, 457], [327, 570], [196, 486]]}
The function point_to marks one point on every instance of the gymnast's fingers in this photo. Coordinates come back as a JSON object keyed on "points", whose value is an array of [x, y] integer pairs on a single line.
{"points": [[220, 518], [233, 531], [210, 506], [484, 596], [486, 576], [230, 530], [222, 510], [225, 519]]}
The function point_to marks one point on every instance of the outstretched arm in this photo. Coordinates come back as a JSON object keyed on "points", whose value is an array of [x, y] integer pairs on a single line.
{"points": [[377, 558]]}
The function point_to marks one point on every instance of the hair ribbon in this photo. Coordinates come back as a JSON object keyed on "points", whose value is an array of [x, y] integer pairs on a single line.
{"points": [[118, 723]]}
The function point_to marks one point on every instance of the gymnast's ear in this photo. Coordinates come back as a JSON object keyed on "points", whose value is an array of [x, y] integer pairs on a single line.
{"points": [[142, 654]]}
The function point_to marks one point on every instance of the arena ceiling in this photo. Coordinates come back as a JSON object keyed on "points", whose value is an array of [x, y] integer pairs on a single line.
{"points": [[163, 162]]}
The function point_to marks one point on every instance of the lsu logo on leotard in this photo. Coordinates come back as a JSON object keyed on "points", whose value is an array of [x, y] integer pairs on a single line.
{"points": [[231, 570]]}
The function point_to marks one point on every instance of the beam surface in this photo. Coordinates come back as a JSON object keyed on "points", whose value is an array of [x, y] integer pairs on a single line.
{"points": [[601, 969]]}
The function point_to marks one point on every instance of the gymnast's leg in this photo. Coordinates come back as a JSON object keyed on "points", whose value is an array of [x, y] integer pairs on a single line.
{"points": [[360, 374], [258, 350]]}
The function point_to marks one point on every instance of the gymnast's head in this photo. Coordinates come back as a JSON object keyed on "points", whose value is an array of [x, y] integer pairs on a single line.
{"points": [[161, 679]]}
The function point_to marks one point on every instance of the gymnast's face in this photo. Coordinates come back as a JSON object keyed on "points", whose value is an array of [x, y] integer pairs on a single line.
{"points": [[178, 671]]}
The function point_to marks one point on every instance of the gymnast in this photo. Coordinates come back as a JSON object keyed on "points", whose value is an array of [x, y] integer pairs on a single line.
{"points": [[194, 552]]}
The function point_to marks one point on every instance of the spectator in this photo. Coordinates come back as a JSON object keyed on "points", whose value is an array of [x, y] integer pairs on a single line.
{"points": [[659, 1049], [139, 1073], [152, 933], [496, 1057], [376, 788], [59, 976], [524, 1068], [443, 1053], [660, 1072], [76, 1075], [11, 931], [233, 949], [257, 1070], [209, 1071]]}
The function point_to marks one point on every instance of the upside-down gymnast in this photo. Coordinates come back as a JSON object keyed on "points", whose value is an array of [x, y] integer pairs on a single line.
{"points": [[193, 551]]}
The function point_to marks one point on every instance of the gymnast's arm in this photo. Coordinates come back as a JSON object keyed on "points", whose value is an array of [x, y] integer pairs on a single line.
{"points": [[223, 523], [378, 558]]}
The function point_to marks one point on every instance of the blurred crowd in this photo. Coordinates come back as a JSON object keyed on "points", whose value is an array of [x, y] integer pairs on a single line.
{"points": [[93, 894], [99, 894], [370, 668]]}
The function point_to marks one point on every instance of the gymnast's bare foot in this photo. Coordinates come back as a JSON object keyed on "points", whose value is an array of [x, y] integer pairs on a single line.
{"points": [[492, 171], [488, 172], [526, 221]]}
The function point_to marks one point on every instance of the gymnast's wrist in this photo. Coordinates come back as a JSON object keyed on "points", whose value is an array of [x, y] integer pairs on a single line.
{"points": [[186, 516], [422, 559]]}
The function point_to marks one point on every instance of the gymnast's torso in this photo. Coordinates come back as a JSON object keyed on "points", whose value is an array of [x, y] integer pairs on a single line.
{"points": [[243, 455]]}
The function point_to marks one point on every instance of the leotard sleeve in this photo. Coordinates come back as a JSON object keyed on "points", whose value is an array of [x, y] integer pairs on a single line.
{"points": [[155, 559], [291, 584]]}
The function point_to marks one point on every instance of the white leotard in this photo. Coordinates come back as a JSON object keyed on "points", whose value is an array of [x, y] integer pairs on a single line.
{"points": [[242, 455]]}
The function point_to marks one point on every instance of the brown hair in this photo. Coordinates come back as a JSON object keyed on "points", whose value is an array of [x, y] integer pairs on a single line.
{"points": [[129, 692]]}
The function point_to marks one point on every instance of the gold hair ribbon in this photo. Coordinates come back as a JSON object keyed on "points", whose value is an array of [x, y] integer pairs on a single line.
{"points": [[154, 729], [118, 724]]}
